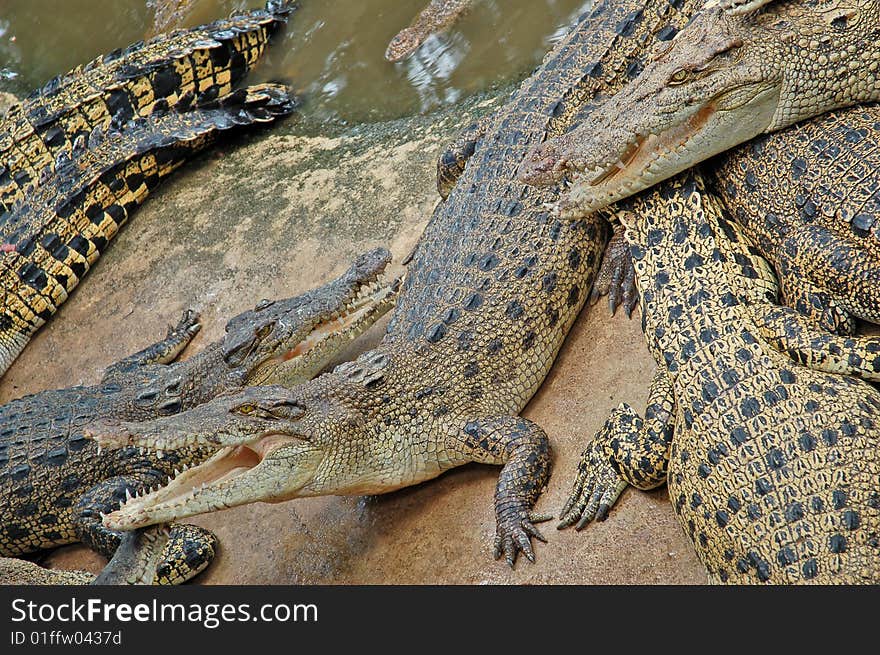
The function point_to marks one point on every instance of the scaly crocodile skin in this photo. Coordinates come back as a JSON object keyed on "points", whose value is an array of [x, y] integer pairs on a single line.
{"points": [[807, 197], [78, 154], [54, 483], [722, 81], [772, 466], [493, 287]]}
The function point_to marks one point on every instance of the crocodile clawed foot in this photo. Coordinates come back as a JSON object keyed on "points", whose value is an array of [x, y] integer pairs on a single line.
{"points": [[514, 535], [596, 488], [188, 323], [617, 276]]}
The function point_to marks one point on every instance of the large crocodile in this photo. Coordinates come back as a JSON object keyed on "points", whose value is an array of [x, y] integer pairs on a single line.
{"points": [[493, 287], [437, 16], [55, 484], [772, 465], [723, 80], [80, 153]]}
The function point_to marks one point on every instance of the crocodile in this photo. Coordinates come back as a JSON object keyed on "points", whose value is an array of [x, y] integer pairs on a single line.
{"points": [[805, 197], [439, 15], [728, 77], [80, 153], [491, 289], [771, 461], [55, 484], [15, 571]]}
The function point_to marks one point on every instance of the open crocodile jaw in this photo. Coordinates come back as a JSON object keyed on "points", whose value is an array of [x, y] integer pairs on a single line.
{"points": [[198, 489], [371, 298]]}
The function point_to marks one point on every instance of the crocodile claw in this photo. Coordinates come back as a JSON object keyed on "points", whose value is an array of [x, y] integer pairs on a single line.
{"points": [[617, 276], [515, 535], [596, 488]]}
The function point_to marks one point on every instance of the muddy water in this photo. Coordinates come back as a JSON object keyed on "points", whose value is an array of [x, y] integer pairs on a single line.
{"points": [[332, 51]]}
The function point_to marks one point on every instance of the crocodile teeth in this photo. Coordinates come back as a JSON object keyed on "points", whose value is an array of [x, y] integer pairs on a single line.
{"points": [[127, 494]]}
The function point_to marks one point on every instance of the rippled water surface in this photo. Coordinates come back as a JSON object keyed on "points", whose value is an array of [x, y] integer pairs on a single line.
{"points": [[332, 51]]}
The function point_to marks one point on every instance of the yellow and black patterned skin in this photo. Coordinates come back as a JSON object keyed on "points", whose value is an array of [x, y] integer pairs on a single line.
{"points": [[808, 199], [81, 152], [772, 464]]}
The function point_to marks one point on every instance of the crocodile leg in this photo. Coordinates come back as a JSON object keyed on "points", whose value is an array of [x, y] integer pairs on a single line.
{"points": [[626, 450], [453, 160], [798, 337], [829, 276], [815, 303], [162, 352], [524, 450], [189, 549], [617, 276]]}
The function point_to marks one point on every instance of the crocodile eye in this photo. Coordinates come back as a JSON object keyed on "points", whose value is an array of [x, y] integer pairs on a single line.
{"points": [[264, 331], [679, 76], [246, 409]]}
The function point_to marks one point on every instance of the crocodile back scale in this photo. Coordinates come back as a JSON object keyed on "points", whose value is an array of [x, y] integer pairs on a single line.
{"points": [[808, 198], [79, 107], [52, 238], [493, 286], [81, 152], [772, 463]]}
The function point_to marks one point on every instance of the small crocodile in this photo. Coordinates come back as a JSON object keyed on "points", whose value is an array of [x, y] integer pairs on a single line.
{"points": [[54, 483], [772, 464], [723, 80], [81, 152], [436, 17], [493, 287]]}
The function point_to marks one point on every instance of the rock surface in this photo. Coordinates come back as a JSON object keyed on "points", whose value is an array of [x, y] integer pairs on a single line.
{"points": [[274, 214]]}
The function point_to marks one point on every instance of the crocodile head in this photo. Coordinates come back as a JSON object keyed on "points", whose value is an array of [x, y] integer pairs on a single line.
{"points": [[713, 86], [289, 341], [404, 43], [271, 444], [136, 558]]}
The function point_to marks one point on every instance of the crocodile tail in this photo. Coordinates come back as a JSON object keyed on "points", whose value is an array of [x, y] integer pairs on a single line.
{"points": [[58, 118], [68, 223]]}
